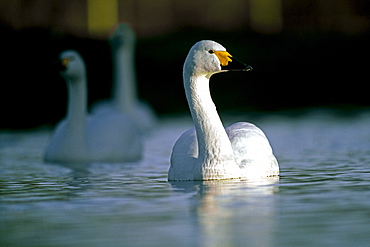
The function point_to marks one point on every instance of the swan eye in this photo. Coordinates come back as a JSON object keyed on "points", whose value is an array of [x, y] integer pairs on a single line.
{"points": [[211, 51]]}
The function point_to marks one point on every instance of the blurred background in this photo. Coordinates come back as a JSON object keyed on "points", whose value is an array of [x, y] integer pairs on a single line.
{"points": [[305, 53]]}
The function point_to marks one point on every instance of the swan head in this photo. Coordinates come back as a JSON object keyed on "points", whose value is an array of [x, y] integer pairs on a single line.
{"points": [[122, 35], [72, 64], [208, 57]]}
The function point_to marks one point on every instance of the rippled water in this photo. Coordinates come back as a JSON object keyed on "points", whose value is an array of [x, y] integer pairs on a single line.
{"points": [[321, 199]]}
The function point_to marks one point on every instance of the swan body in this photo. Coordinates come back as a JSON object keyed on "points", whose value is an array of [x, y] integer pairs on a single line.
{"points": [[124, 92], [83, 138], [210, 151]]}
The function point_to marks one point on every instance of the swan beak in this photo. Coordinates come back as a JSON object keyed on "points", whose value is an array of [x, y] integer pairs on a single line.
{"points": [[65, 62], [61, 65], [236, 65]]}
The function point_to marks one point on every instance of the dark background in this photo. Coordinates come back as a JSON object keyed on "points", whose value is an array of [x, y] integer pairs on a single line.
{"points": [[318, 56]]}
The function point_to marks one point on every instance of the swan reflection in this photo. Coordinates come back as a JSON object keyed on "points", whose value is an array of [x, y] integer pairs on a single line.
{"points": [[228, 212]]}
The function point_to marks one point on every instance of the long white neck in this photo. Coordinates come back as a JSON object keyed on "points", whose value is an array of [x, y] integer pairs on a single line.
{"points": [[124, 80], [213, 143], [77, 106]]}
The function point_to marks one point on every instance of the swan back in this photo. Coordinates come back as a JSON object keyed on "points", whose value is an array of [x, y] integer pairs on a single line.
{"points": [[252, 150]]}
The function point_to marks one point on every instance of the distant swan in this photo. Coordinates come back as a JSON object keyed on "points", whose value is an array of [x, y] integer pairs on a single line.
{"points": [[124, 91], [209, 151], [97, 138]]}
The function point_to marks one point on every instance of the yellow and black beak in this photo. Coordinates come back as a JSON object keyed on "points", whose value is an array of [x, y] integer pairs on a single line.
{"points": [[236, 65], [229, 63], [62, 64]]}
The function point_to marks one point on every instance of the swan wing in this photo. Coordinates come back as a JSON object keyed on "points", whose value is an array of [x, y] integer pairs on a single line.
{"points": [[184, 156], [114, 138], [64, 146], [144, 115], [252, 150]]}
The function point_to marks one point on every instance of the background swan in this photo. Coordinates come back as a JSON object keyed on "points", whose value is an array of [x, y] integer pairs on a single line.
{"points": [[209, 151], [97, 138], [124, 91]]}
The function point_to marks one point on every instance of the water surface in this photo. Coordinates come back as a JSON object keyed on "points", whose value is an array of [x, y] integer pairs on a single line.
{"points": [[321, 198]]}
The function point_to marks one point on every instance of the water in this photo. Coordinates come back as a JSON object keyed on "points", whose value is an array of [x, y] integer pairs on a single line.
{"points": [[321, 199]]}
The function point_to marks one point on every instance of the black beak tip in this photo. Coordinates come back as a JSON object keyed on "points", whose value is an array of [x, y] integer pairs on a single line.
{"points": [[248, 68], [236, 65]]}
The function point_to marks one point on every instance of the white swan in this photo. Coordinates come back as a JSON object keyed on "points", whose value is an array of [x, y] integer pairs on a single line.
{"points": [[209, 151], [124, 91], [97, 138]]}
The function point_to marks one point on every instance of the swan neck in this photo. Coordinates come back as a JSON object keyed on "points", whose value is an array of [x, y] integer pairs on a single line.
{"points": [[124, 79], [213, 142], [77, 104]]}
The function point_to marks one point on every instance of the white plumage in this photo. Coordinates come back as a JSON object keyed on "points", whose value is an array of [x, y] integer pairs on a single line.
{"points": [[209, 151], [124, 92], [81, 138]]}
